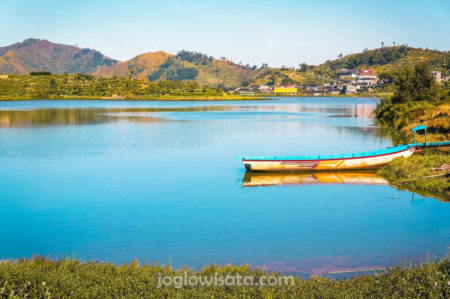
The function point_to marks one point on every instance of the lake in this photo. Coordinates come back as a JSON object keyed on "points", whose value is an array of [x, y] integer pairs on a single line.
{"points": [[159, 181]]}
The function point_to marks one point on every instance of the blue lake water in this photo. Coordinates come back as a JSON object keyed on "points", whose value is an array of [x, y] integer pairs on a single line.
{"points": [[115, 180]]}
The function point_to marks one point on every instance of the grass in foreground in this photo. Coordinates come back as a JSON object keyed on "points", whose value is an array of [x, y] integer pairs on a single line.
{"points": [[426, 173], [39, 277]]}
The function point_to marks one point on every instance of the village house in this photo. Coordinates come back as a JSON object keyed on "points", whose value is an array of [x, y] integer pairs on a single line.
{"points": [[349, 89], [346, 73], [285, 90], [366, 77], [437, 75], [244, 91], [229, 89], [254, 88], [265, 89]]}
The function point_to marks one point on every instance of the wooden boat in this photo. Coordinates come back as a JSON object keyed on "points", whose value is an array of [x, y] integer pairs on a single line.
{"points": [[262, 179], [352, 161]]}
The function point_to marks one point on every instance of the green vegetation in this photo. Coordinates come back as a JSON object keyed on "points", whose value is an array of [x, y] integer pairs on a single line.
{"points": [[417, 99], [284, 76], [174, 71], [426, 173], [48, 86], [387, 61], [195, 57], [379, 56], [40, 73], [42, 278]]}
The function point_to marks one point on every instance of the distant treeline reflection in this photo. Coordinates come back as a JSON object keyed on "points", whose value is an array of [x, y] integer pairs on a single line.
{"points": [[79, 116]]}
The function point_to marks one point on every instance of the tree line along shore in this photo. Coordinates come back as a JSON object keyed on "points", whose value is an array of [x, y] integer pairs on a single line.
{"points": [[45, 85]]}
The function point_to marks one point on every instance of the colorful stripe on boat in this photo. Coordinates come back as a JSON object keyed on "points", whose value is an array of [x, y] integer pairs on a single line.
{"points": [[363, 160]]}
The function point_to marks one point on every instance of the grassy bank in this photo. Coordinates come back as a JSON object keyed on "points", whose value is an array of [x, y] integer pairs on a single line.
{"points": [[401, 118], [39, 278], [425, 172]]}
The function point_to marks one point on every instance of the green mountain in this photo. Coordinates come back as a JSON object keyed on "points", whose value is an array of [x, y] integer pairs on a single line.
{"points": [[42, 55]]}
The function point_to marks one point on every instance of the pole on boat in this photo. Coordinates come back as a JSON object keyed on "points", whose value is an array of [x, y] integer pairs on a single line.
{"points": [[418, 128]]}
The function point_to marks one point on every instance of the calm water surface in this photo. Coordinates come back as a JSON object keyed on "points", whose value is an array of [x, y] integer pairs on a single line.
{"points": [[160, 181]]}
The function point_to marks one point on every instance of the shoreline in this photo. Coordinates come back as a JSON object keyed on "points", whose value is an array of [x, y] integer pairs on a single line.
{"points": [[426, 173], [69, 277], [160, 99], [270, 97]]}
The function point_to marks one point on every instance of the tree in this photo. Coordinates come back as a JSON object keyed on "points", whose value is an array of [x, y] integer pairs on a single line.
{"points": [[340, 56], [53, 86], [382, 44], [415, 84], [303, 67], [41, 73]]}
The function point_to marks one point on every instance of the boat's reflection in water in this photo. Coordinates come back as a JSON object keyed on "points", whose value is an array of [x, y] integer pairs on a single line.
{"points": [[260, 179]]}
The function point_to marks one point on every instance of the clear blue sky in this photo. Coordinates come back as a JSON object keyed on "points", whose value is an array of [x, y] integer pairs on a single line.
{"points": [[278, 32]]}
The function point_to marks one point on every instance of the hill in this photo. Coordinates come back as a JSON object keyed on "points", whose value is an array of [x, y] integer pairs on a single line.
{"points": [[186, 65], [384, 61], [140, 66], [388, 59], [42, 55]]}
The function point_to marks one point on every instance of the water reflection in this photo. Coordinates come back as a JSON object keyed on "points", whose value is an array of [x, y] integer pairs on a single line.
{"points": [[10, 118], [324, 266], [81, 116], [259, 179]]}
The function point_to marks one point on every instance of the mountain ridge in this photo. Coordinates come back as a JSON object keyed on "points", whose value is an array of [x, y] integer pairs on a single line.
{"points": [[42, 55], [141, 65]]}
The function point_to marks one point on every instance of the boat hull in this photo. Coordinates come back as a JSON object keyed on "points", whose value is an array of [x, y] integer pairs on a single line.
{"points": [[357, 163]]}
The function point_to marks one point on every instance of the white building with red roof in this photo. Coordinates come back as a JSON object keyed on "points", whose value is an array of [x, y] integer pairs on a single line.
{"points": [[367, 77]]}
